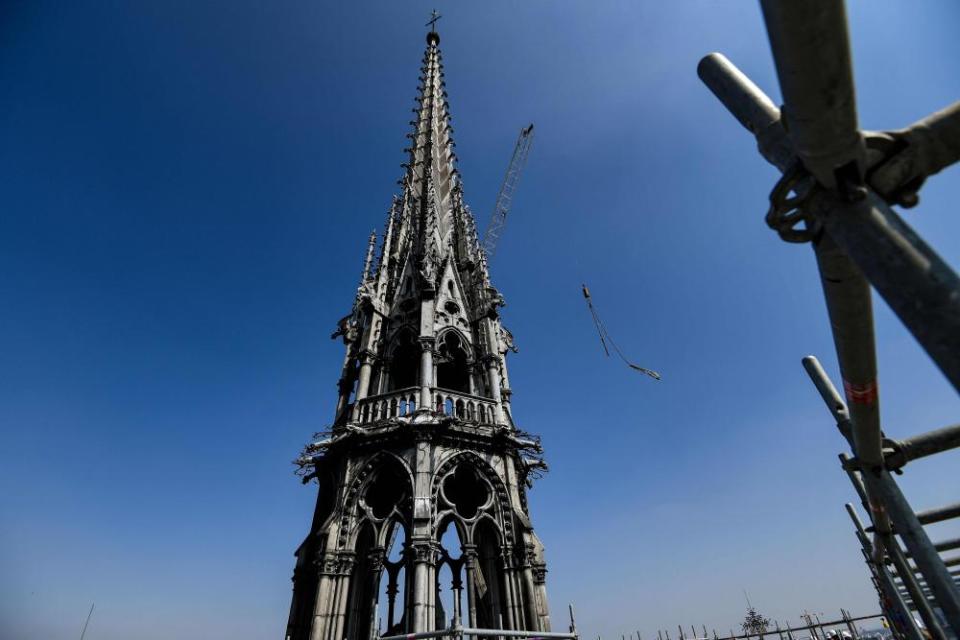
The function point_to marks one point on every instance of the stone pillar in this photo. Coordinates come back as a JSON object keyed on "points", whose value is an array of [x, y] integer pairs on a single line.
{"points": [[327, 571], [510, 597], [493, 374], [457, 588], [424, 584], [334, 570], [384, 378], [540, 590], [392, 590], [426, 369], [363, 383], [377, 556], [531, 610], [470, 563], [345, 384]]}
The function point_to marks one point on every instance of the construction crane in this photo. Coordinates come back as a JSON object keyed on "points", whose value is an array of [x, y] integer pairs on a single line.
{"points": [[505, 198]]}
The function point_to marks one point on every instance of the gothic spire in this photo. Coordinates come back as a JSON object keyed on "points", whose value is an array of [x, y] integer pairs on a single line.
{"points": [[433, 224]]}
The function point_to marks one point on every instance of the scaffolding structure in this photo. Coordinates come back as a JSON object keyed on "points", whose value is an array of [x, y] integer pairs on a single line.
{"points": [[836, 192]]}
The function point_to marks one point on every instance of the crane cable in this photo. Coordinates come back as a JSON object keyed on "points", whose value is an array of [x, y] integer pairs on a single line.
{"points": [[605, 338]]}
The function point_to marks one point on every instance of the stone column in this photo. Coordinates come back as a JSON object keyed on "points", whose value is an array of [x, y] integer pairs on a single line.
{"points": [[345, 564], [470, 563], [457, 588], [384, 379], [510, 596], [363, 383], [327, 571], [493, 374], [540, 589], [531, 611], [426, 369], [345, 384], [392, 590], [377, 556], [473, 378], [424, 584]]}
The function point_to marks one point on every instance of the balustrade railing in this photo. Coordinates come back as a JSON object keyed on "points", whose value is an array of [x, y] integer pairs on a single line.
{"points": [[404, 402]]}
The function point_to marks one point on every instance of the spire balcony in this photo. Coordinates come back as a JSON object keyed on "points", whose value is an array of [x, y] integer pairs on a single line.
{"points": [[402, 403]]}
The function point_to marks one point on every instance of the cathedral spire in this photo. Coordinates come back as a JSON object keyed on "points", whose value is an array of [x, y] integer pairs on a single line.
{"points": [[433, 211], [423, 440]]}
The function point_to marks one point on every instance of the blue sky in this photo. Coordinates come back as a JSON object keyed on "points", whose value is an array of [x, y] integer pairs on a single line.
{"points": [[187, 191]]}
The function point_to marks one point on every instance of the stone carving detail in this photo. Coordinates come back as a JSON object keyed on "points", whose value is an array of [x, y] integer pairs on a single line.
{"points": [[540, 573], [425, 551]]}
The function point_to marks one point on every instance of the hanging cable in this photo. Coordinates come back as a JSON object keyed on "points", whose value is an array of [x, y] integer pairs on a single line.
{"points": [[605, 338]]}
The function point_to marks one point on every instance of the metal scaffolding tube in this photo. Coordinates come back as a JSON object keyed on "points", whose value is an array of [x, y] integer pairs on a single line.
{"points": [[937, 514], [931, 562], [918, 544], [945, 545], [907, 580], [839, 410], [929, 146], [811, 51], [923, 445], [886, 584], [458, 632], [467, 631]]}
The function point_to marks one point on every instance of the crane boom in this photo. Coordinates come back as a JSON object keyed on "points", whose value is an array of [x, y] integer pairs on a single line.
{"points": [[505, 198]]}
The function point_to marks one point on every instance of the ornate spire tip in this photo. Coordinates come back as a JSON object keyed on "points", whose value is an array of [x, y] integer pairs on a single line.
{"points": [[433, 38]]}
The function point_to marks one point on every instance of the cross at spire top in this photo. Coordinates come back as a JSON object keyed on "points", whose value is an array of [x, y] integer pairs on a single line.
{"points": [[432, 23], [433, 37]]}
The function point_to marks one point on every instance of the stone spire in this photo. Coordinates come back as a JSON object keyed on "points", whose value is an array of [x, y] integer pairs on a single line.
{"points": [[423, 439], [435, 224]]}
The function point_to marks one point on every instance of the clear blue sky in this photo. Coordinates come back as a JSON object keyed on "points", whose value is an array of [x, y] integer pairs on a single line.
{"points": [[187, 190]]}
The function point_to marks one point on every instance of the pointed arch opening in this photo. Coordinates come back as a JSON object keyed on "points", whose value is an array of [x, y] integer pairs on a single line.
{"points": [[488, 578], [363, 583], [388, 491], [392, 617], [453, 369], [404, 362], [450, 584]]}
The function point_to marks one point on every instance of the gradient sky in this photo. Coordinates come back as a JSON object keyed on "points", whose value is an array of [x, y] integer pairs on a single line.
{"points": [[187, 188]]}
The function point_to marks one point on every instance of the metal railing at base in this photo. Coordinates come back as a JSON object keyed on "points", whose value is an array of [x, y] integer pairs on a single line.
{"points": [[459, 632]]}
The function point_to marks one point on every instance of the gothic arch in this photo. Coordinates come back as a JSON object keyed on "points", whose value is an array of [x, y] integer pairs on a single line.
{"points": [[468, 344], [454, 360], [404, 354], [379, 464], [484, 520], [501, 499]]}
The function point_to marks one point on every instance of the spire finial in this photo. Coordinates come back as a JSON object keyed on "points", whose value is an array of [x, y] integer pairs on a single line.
{"points": [[433, 37], [371, 247]]}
